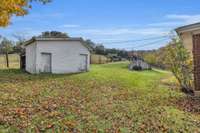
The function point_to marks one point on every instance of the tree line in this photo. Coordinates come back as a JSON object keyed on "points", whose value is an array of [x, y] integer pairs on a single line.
{"points": [[8, 46], [100, 49]]}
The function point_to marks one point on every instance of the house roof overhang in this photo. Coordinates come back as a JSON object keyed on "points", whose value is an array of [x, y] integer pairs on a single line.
{"points": [[35, 39], [188, 28]]}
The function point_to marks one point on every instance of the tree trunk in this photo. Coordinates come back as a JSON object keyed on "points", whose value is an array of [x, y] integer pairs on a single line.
{"points": [[7, 60]]}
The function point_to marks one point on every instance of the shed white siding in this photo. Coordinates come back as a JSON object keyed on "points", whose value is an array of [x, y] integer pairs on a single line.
{"points": [[31, 58], [66, 56]]}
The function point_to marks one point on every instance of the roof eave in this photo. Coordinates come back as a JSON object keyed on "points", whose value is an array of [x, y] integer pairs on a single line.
{"points": [[51, 39], [29, 41], [188, 28], [87, 46], [58, 39]]}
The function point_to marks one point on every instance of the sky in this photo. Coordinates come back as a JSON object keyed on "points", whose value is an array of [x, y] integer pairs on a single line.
{"points": [[122, 24]]}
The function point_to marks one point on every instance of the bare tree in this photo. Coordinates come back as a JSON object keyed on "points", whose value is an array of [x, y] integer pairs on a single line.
{"points": [[21, 38]]}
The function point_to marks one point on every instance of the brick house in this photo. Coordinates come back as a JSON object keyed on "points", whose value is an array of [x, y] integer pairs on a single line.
{"points": [[190, 36]]}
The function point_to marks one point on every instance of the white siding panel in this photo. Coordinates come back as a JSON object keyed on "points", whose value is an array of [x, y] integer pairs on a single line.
{"points": [[31, 58], [66, 55]]}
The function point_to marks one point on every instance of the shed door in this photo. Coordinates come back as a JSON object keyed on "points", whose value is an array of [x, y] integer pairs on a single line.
{"points": [[83, 63], [196, 53], [46, 62]]}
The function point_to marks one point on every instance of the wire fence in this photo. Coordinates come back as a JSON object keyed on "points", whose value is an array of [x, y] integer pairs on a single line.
{"points": [[14, 61]]}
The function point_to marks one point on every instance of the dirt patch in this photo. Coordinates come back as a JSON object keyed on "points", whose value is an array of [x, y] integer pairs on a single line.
{"points": [[189, 104]]}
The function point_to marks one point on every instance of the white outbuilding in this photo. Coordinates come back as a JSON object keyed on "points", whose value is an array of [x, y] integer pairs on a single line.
{"points": [[56, 55]]}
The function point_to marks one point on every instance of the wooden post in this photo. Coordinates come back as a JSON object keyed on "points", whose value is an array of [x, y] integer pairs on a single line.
{"points": [[7, 60], [99, 59]]}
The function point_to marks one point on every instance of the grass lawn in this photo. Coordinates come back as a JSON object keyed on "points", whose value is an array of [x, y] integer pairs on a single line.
{"points": [[109, 98]]}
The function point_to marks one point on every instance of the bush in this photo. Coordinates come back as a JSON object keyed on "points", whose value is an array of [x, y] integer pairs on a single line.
{"points": [[181, 65]]}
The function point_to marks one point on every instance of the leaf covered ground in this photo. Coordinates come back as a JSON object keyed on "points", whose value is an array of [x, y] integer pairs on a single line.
{"points": [[108, 99]]}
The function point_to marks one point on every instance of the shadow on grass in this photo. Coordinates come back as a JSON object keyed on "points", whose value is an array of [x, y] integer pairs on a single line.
{"points": [[121, 65], [156, 71], [11, 71], [147, 71], [17, 75]]}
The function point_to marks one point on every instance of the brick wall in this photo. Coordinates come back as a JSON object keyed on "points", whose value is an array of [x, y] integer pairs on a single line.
{"points": [[196, 53]]}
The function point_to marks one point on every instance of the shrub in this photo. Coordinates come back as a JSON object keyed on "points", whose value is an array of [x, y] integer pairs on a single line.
{"points": [[181, 65]]}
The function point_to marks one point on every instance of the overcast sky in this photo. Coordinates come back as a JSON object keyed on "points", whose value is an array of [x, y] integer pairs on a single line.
{"points": [[109, 21]]}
